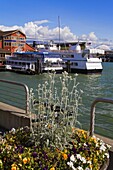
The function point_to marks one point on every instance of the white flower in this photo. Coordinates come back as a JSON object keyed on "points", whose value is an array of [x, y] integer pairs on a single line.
{"points": [[13, 130], [74, 168], [79, 168], [85, 144], [107, 155], [83, 160], [97, 144], [78, 156], [109, 146], [72, 158], [102, 147], [71, 165], [89, 162]]}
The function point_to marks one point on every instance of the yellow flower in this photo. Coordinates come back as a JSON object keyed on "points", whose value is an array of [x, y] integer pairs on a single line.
{"points": [[90, 166], [81, 131], [0, 161], [97, 152], [13, 167], [25, 160], [20, 156], [1, 164], [28, 159], [52, 168], [65, 156], [84, 136], [65, 151], [95, 140], [95, 160]]}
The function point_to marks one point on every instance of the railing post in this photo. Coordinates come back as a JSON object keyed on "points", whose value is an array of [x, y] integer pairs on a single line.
{"points": [[92, 113], [27, 98], [92, 119], [26, 92]]}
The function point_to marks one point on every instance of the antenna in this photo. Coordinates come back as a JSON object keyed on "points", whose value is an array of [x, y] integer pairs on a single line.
{"points": [[59, 30]]}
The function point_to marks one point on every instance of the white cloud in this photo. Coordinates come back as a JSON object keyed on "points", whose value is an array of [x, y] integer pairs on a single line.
{"points": [[92, 37], [40, 22], [37, 30], [6, 28]]}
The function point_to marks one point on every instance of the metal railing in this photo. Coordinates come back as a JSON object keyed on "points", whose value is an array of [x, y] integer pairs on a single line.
{"points": [[92, 116], [15, 94]]}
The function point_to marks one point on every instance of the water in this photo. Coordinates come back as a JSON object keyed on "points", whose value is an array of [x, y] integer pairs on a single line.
{"points": [[93, 86]]}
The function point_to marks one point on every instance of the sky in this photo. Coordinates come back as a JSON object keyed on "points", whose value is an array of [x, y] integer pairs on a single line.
{"points": [[78, 20]]}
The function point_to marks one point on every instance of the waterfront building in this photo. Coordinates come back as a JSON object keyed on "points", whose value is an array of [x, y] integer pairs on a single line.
{"points": [[10, 42], [13, 41]]}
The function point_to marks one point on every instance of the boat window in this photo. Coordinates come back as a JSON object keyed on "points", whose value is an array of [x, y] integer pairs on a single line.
{"points": [[76, 64], [68, 56], [72, 56]]}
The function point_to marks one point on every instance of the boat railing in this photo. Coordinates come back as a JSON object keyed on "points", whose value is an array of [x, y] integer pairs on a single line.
{"points": [[22, 59], [14, 94], [103, 119]]}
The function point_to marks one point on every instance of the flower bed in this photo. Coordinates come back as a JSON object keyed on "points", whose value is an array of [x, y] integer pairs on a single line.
{"points": [[53, 142], [82, 152]]}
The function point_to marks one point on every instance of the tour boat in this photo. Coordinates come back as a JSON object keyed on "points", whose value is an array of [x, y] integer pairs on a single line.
{"points": [[34, 62], [81, 61]]}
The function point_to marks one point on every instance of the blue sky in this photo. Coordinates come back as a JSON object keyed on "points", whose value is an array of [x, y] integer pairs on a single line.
{"points": [[78, 18]]}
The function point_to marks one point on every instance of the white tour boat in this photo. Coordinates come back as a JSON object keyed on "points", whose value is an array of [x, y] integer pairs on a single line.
{"points": [[34, 62], [81, 61]]}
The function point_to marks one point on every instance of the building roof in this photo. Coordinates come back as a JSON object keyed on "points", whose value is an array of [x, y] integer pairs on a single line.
{"points": [[5, 33], [29, 47]]}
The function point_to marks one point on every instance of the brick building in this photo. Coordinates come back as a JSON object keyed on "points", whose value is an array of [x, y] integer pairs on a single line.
{"points": [[13, 41], [10, 42]]}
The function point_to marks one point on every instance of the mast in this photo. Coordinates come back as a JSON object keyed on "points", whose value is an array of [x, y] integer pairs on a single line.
{"points": [[59, 30]]}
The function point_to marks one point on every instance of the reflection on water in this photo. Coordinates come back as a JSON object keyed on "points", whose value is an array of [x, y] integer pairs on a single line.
{"points": [[93, 86]]}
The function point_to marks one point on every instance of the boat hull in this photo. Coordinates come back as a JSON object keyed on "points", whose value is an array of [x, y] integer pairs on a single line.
{"points": [[84, 71]]}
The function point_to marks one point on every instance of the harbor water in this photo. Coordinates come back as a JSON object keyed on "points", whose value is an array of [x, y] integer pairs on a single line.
{"points": [[93, 86]]}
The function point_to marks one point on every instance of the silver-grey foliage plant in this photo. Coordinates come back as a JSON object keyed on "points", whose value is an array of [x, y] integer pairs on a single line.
{"points": [[56, 109]]}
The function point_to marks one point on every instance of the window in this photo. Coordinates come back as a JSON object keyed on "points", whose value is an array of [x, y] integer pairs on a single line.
{"points": [[72, 56], [76, 64], [7, 44], [14, 44], [13, 37], [21, 45]]}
